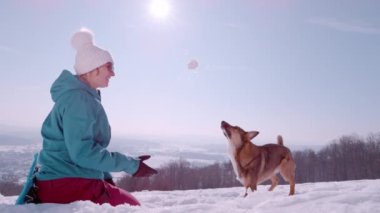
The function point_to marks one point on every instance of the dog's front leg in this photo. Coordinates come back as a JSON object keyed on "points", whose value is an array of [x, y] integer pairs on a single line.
{"points": [[246, 191], [252, 180], [252, 187]]}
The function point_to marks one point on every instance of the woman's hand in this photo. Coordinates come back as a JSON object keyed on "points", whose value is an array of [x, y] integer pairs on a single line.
{"points": [[144, 170]]}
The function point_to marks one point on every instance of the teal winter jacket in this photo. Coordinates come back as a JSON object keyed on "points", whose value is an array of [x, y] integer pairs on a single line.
{"points": [[76, 133]]}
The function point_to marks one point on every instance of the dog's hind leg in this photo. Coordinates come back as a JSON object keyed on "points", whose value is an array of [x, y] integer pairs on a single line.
{"points": [[274, 180], [290, 178], [288, 172]]}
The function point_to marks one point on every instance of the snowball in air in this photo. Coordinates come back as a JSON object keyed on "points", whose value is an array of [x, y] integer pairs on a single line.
{"points": [[193, 64]]}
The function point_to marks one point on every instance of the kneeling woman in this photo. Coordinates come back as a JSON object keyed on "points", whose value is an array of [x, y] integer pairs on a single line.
{"points": [[74, 161]]}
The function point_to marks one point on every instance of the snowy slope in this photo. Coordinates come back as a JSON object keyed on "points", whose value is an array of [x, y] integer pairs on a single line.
{"points": [[350, 196]]}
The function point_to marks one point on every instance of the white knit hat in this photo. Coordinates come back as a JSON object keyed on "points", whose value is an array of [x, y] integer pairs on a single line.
{"points": [[89, 56]]}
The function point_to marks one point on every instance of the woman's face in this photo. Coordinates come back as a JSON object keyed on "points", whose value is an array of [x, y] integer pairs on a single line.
{"points": [[100, 77]]}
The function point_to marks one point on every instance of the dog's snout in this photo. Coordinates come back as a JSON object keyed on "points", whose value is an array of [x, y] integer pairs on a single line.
{"points": [[224, 124], [226, 130]]}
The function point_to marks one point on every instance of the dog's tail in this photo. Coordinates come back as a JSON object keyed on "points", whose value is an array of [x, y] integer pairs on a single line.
{"points": [[280, 141]]}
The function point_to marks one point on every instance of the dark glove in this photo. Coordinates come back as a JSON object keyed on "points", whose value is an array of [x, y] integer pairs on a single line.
{"points": [[144, 170], [110, 181]]}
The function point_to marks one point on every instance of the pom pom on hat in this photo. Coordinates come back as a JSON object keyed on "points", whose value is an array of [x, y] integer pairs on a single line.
{"points": [[81, 39], [88, 56]]}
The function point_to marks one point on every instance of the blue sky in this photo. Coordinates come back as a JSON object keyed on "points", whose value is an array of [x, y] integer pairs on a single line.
{"points": [[308, 70]]}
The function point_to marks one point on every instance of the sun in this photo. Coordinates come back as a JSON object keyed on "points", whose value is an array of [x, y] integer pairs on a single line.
{"points": [[160, 8]]}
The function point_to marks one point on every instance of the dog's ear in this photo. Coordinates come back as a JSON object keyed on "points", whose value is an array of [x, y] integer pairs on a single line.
{"points": [[252, 134]]}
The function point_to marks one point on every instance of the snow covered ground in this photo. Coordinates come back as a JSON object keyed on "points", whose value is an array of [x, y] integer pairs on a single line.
{"points": [[349, 196]]}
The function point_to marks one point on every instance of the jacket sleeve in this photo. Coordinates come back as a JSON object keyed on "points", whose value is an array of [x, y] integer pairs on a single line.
{"points": [[79, 123]]}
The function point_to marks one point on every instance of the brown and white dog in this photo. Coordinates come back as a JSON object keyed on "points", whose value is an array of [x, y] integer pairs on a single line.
{"points": [[255, 164]]}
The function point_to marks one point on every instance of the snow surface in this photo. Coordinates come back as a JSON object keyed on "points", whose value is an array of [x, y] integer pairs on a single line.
{"points": [[349, 196]]}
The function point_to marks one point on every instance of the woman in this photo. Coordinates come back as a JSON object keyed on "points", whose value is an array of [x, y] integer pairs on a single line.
{"points": [[74, 162]]}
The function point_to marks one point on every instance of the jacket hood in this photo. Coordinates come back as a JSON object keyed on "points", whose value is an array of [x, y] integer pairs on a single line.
{"points": [[67, 82]]}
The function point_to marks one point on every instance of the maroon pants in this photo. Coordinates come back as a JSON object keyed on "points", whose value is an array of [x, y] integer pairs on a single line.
{"points": [[67, 190]]}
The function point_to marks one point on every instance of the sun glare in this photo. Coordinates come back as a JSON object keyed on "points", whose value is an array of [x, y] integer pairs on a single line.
{"points": [[159, 8]]}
